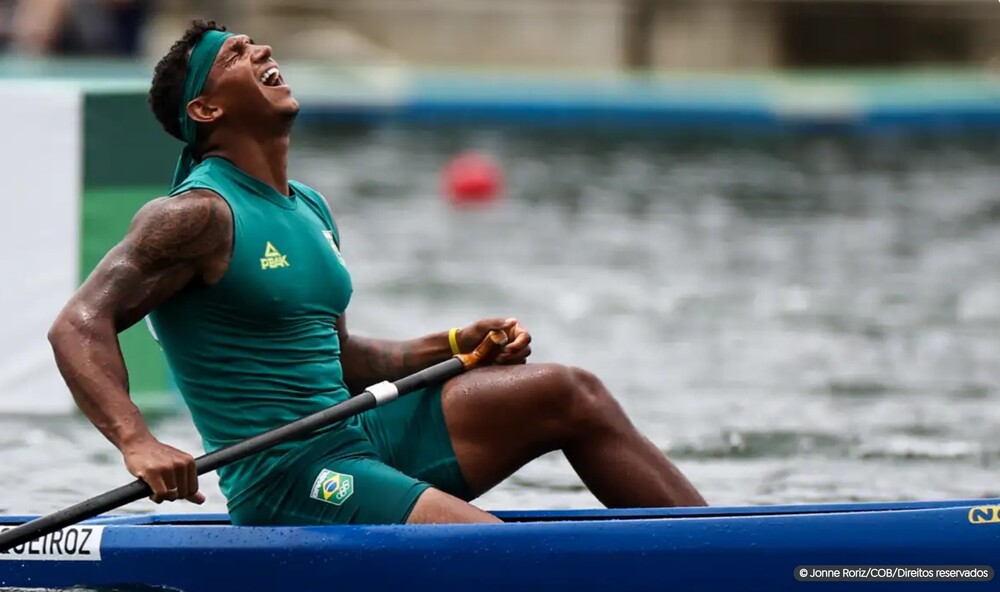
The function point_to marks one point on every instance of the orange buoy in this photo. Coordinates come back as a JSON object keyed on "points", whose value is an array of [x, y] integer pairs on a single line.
{"points": [[472, 178]]}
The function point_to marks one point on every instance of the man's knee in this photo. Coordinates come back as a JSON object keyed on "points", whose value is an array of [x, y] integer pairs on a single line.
{"points": [[576, 399]]}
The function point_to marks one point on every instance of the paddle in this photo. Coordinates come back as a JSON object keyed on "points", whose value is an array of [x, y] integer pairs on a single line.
{"points": [[374, 396]]}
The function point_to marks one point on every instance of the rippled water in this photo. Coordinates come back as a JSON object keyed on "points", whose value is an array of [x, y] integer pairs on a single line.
{"points": [[792, 320]]}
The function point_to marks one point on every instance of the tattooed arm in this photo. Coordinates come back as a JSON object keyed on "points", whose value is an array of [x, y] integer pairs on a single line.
{"points": [[171, 242], [366, 361]]}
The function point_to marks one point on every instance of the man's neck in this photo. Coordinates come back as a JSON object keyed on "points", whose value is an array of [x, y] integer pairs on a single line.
{"points": [[265, 159]]}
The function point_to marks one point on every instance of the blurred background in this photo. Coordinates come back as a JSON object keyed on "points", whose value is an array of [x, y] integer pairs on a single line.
{"points": [[614, 34], [771, 226]]}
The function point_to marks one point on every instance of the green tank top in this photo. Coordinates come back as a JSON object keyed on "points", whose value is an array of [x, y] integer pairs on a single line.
{"points": [[259, 349]]}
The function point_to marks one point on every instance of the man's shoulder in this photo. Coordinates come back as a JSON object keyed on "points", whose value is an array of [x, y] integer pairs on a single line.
{"points": [[314, 197], [304, 188], [196, 214], [196, 203]]}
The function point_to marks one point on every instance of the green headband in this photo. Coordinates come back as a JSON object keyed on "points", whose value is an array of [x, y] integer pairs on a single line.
{"points": [[199, 65]]}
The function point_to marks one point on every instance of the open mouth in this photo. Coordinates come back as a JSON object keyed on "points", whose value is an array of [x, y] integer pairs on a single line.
{"points": [[272, 77]]}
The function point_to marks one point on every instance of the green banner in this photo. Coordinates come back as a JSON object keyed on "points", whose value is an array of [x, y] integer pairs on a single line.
{"points": [[128, 160]]}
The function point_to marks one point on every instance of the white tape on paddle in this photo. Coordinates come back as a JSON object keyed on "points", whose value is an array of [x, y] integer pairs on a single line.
{"points": [[73, 543], [384, 392]]}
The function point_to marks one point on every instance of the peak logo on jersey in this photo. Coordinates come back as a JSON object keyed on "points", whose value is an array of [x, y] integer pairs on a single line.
{"points": [[272, 259]]}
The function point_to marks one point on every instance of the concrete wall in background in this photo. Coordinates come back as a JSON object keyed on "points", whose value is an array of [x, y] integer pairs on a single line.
{"points": [[609, 34], [711, 35]]}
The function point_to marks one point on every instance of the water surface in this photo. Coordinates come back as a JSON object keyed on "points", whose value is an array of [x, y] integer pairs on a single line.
{"points": [[790, 319]]}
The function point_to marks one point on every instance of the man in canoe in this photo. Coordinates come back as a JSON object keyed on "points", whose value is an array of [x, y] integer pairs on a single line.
{"points": [[239, 272]]}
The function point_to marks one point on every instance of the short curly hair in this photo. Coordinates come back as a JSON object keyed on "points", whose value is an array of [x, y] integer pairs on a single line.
{"points": [[167, 88]]}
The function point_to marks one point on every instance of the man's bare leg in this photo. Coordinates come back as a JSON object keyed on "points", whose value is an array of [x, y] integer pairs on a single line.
{"points": [[437, 507], [502, 417]]}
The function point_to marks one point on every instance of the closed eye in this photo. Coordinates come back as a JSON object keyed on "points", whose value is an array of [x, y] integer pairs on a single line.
{"points": [[239, 48]]}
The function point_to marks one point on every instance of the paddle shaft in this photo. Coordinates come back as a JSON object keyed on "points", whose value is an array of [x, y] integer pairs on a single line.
{"points": [[372, 397]]}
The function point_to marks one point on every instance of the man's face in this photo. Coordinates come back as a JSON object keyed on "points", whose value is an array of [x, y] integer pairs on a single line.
{"points": [[246, 82]]}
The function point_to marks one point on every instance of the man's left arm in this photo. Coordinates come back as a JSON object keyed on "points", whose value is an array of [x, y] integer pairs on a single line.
{"points": [[366, 361]]}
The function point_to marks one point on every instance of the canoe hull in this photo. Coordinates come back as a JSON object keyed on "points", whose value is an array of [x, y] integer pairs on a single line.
{"points": [[685, 549]]}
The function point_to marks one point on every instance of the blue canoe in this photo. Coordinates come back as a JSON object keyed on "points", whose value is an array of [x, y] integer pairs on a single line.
{"points": [[931, 544]]}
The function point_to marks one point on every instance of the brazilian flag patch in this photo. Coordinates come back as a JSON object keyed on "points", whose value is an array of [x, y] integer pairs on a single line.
{"points": [[332, 487]]}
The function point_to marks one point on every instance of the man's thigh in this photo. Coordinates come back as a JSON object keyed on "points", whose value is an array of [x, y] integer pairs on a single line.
{"points": [[437, 507], [502, 417], [410, 434], [476, 431], [355, 490]]}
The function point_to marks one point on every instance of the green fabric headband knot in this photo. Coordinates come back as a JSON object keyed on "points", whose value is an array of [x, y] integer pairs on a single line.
{"points": [[199, 65]]}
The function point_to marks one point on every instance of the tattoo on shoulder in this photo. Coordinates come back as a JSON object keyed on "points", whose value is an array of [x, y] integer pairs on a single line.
{"points": [[170, 243], [182, 228]]}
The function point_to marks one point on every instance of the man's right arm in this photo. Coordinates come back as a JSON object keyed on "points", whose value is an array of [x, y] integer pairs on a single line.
{"points": [[170, 243]]}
